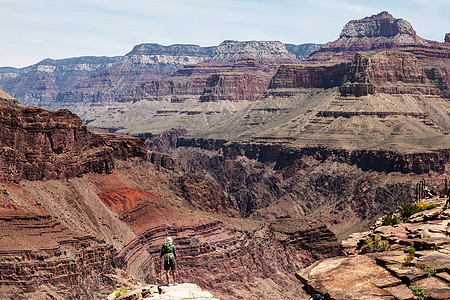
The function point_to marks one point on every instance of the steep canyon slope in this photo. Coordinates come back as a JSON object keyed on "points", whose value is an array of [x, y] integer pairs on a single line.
{"points": [[79, 231]]}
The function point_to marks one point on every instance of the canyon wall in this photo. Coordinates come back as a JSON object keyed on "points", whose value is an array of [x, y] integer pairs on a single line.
{"points": [[39, 144], [388, 72]]}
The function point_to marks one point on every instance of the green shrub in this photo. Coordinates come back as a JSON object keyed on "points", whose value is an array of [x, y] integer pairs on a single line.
{"points": [[410, 256], [389, 220], [375, 245], [427, 268], [431, 205], [407, 209], [418, 291], [120, 291]]}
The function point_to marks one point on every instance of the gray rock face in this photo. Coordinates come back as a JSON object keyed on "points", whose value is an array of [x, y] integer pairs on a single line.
{"points": [[229, 51], [447, 37], [382, 24]]}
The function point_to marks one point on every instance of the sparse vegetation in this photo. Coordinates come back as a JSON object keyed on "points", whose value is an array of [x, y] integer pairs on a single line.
{"points": [[389, 220], [375, 244], [120, 291], [418, 291], [411, 253], [407, 209], [427, 268]]}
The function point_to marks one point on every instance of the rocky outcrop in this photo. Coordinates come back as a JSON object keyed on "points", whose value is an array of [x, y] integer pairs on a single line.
{"points": [[39, 251], [39, 145], [309, 76], [380, 31], [382, 24], [394, 273], [302, 51], [447, 38], [388, 72], [261, 51]]}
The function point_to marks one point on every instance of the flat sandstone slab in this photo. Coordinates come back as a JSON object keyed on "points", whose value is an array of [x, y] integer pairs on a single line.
{"points": [[350, 277]]}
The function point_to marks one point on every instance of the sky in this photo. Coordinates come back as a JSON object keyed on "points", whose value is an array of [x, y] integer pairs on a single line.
{"points": [[32, 30]]}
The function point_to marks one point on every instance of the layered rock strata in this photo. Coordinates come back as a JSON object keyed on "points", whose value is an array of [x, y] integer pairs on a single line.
{"points": [[38, 144], [256, 253], [383, 31], [386, 72], [37, 251], [309, 76], [283, 156]]}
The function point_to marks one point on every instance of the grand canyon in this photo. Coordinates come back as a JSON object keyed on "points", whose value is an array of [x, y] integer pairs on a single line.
{"points": [[268, 164]]}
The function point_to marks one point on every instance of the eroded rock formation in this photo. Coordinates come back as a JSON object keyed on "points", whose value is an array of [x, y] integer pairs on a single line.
{"points": [[39, 254], [39, 145], [388, 72]]}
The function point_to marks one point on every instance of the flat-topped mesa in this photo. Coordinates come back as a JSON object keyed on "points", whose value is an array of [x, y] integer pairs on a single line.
{"points": [[388, 72], [172, 50], [262, 51]]}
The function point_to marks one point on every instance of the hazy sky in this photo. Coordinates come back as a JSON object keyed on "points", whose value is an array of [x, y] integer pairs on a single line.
{"points": [[32, 30]]}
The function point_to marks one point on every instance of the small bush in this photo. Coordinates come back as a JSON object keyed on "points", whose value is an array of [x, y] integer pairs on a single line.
{"points": [[427, 268], [418, 291], [411, 253], [389, 220], [407, 210], [431, 205], [120, 291], [375, 245]]}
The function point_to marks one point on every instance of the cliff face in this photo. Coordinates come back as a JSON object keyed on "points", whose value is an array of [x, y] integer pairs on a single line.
{"points": [[39, 253], [386, 72], [39, 144], [309, 76], [383, 31]]}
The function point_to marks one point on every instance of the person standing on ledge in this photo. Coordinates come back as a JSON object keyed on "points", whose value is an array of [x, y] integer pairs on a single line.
{"points": [[170, 254]]}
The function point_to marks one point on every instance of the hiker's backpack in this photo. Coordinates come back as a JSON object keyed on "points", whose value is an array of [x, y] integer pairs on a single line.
{"points": [[167, 250]]}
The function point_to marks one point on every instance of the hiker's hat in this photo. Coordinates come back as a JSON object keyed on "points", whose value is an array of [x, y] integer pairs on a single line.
{"points": [[169, 240]]}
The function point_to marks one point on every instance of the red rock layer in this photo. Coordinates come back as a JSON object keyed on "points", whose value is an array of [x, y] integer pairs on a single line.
{"points": [[234, 87], [218, 257], [389, 72], [37, 144], [309, 76], [36, 250]]}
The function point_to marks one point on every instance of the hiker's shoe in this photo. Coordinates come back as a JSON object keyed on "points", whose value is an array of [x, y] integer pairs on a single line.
{"points": [[167, 284], [175, 283]]}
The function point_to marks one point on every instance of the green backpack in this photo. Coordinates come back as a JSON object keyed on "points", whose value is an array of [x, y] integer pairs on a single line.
{"points": [[167, 250]]}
